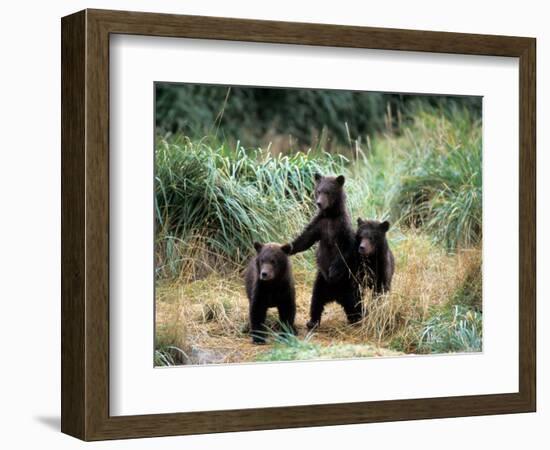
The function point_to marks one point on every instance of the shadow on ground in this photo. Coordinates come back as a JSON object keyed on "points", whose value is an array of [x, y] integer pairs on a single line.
{"points": [[52, 422]]}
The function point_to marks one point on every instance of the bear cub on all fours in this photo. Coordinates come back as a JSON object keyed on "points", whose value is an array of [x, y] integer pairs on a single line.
{"points": [[376, 259], [331, 229], [269, 284]]}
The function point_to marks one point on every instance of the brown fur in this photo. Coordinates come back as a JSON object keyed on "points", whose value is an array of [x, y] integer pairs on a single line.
{"points": [[331, 228], [269, 284], [377, 263]]}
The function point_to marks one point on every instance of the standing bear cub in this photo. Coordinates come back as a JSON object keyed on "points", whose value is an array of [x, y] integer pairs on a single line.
{"points": [[269, 284], [376, 259], [336, 254]]}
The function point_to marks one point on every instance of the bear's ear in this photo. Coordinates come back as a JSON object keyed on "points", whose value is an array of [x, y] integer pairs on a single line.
{"points": [[317, 176], [385, 226], [360, 221], [341, 179], [258, 246], [286, 248]]}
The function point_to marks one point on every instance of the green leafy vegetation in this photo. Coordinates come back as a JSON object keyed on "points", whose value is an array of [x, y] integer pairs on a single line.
{"points": [[456, 329], [440, 188], [224, 198], [305, 117]]}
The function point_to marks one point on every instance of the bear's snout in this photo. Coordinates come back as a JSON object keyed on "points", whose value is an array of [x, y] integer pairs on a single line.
{"points": [[365, 247], [322, 201], [266, 272]]}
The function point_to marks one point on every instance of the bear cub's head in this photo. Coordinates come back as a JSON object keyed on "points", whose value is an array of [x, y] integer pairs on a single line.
{"points": [[329, 191], [371, 236], [272, 260]]}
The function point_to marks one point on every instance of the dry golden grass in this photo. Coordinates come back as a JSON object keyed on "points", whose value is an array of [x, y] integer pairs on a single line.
{"points": [[425, 277], [208, 318]]}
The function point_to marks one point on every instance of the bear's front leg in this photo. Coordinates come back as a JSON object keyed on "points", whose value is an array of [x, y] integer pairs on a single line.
{"points": [[309, 236], [258, 313]]}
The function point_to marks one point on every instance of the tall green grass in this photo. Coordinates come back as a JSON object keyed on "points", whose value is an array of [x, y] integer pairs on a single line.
{"points": [[455, 329], [227, 197], [439, 185], [213, 200]]}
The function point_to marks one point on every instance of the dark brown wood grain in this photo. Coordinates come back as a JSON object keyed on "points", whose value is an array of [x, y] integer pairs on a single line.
{"points": [[73, 274], [85, 224], [527, 223]]}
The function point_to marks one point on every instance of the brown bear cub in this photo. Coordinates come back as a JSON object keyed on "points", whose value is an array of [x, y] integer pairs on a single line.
{"points": [[336, 254], [376, 259], [269, 284]]}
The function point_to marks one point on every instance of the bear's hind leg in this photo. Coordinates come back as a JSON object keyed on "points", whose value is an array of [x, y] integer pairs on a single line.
{"points": [[352, 303], [319, 298]]}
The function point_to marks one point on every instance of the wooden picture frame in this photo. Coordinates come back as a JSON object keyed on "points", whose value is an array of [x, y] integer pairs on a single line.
{"points": [[85, 224]]}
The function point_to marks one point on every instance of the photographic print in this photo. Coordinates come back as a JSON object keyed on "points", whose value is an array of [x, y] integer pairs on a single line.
{"points": [[310, 224]]}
